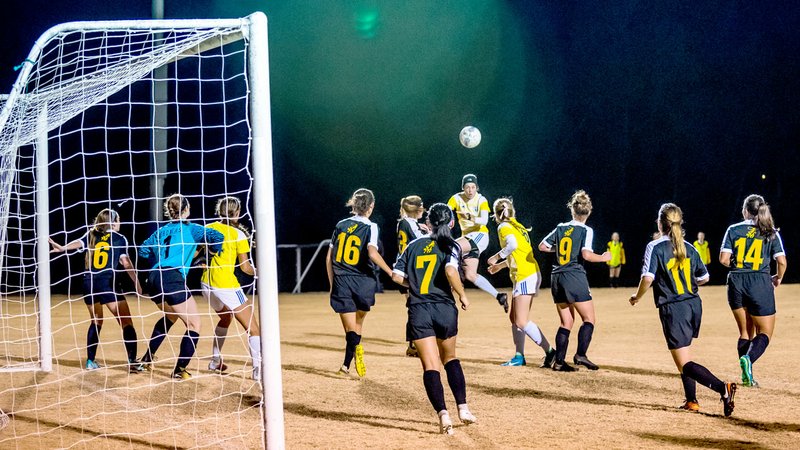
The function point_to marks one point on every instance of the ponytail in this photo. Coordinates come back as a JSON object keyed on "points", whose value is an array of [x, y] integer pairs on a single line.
{"points": [[440, 217], [103, 223], [755, 206], [670, 220], [504, 212]]}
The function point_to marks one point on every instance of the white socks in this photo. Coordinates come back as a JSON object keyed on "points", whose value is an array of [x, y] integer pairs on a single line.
{"points": [[484, 285], [255, 350], [219, 340], [535, 333]]}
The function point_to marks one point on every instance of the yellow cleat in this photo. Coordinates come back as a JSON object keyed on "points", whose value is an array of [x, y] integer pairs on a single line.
{"points": [[181, 374], [361, 369], [690, 406]]}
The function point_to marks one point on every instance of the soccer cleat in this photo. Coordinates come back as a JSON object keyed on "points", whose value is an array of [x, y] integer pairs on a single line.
{"points": [[466, 416], [517, 360], [216, 365], [584, 361], [727, 400], [502, 299], [564, 367], [91, 365], [361, 368], [134, 366], [412, 351], [747, 371], [180, 373], [145, 367], [343, 372], [445, 424], [690, 406], [547, 361]]}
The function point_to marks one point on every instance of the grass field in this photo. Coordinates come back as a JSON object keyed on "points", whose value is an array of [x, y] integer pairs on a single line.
{"points": [[630, 402]]}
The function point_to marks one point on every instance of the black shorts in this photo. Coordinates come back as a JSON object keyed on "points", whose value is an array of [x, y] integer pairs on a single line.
{"points": [[167, 285], [101, 290], [353, 293], [428, 319], [680, 322], [752, 291], [570, 287]]}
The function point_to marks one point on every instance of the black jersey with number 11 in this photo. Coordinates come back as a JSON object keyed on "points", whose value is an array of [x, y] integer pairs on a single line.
{"points": [[672, 281]]}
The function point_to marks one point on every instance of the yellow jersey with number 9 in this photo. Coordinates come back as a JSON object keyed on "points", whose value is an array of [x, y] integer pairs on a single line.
{"points": [[521, 262], [473, 207], [220, 269]]}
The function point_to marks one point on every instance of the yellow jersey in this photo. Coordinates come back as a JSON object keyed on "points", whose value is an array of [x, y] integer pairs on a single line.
{"points": [[521, 262], [617, 254], [474, 206], [705, 254], [220, 269]]}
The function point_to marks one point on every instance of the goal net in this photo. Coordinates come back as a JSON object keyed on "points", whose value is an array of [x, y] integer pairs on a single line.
{"points": [[120, 115]]}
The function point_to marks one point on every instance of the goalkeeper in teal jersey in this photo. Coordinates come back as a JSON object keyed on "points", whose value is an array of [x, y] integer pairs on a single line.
{"points": [[170, 251]]}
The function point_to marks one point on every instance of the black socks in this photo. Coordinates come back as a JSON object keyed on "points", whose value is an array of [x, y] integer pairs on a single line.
{"points": [[562, 342], [92, 339], [188, 345], [584, 338], [742, 345], [129, 336], [689, 387], [352, 338], [160, 330], [433, 386], [758, 347], [704, 377], [455, 378]]}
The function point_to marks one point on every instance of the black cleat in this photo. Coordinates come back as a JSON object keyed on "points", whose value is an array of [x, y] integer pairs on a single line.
{"points": [[564, 367], [547, 361], [502, 298], [584, 361], [727, 400]]}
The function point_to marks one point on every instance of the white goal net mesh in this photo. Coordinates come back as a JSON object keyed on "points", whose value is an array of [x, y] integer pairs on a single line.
{"points": [[129, 116]]}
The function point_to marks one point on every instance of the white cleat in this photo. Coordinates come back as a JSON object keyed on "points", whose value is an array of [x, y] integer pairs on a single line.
{"points": [[445, 424], [466, 416], [216, 365]]}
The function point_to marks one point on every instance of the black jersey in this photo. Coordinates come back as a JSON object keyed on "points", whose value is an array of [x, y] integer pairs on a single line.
{"points": [[672, 282], [569, 239], [349, 246], [407, 230], [423, 264], [105, 254], [750, 250]]}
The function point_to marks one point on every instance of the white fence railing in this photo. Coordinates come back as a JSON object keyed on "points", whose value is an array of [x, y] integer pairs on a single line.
{"points": [[300, 272]]}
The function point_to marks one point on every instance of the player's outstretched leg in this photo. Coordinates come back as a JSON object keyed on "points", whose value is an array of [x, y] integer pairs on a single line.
{"points": [[702, 375]]}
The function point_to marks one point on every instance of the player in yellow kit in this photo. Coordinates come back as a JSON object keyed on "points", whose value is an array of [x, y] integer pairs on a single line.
{"points": [[472, 211], [222, 289], [701, 245], [517, 255], [617, 259]]}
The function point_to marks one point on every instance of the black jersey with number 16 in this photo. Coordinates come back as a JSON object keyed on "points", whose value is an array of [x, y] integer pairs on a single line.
{"points": [[423, 265], [349, 246]]}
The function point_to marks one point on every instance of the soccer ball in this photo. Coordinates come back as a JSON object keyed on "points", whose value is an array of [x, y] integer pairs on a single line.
{"points": [[470, 137]]}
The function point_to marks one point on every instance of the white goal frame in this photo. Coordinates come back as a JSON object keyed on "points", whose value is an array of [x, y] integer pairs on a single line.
{"points": [[254, 29]]}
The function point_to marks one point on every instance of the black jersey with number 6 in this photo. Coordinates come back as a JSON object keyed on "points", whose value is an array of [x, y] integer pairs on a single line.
{"points": [[672, 281], [423, 265], [569, 239], [750, 250], [105, 254], [349, 246]]}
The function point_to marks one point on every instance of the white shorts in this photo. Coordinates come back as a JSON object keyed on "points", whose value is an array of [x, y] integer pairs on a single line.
{"points": [[528, 286], [480, 239], [221, 298]]}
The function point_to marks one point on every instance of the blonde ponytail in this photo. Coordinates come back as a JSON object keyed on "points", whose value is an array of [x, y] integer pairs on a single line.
{"points": [[670, 220]]}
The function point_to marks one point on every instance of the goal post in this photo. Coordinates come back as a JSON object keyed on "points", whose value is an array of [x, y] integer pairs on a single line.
{"points": [[70, 99]]}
